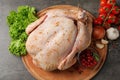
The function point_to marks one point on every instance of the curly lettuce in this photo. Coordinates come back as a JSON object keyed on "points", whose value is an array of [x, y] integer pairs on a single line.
{"points": [[17, 47], [17, 22]]}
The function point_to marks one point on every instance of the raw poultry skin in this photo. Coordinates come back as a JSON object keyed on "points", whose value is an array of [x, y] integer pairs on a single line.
{"points": [[54, 39]]}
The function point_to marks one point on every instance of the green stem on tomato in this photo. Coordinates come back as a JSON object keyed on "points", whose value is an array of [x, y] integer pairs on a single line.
{"points": [[108, 14]]}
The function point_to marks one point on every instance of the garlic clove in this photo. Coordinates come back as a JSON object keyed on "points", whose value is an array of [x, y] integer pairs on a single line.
{"points": [[103, 41], [100, 45]]}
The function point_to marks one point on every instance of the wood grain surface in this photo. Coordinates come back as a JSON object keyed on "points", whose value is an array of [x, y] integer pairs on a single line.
{"points": [[71, 73]]}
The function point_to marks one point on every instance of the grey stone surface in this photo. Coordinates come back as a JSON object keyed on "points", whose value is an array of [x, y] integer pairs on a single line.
{"points": [[12, 68]]}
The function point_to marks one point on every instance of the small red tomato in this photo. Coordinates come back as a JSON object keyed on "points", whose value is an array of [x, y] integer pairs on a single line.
{"points": [[105, 9], [109, 5], [103, 2], [115, 10], [106, 25], [119, 27], [102, 16], [117, 20], [98, 21], [111, 2], [101, 10], [98, 32], [111, 18], [118, 14]]}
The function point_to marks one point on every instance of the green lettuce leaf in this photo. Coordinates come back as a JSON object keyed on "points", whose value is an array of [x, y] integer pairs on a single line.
{"points": [[17, 22]]}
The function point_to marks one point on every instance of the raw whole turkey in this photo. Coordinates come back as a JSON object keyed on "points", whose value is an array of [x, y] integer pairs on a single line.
{"points": [[57, 37]]}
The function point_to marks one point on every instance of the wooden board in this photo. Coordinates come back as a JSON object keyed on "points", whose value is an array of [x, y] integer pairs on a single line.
{"points": [[71, 73]]}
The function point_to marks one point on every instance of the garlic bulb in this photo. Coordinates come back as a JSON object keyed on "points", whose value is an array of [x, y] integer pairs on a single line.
{"points": [[112, 33]]}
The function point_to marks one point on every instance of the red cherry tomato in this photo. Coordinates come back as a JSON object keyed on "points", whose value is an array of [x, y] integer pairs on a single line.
{"points": [[117, 20], [98, 32], [102, 16], [111, 18], [98, 21], [115, 10], [106, 25], [101, 10], [111, 1], [118, 28], [118, 14], [103, 2], [105, 9]]}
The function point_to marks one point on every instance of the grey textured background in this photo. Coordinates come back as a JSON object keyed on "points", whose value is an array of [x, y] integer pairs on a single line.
{"points": [[12, 68]]}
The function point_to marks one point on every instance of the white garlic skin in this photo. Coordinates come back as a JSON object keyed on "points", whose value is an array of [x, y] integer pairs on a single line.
{"points": [[112, 33]]}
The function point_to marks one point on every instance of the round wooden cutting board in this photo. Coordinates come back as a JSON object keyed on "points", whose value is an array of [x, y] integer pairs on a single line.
{"points": [[71, 73]]}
